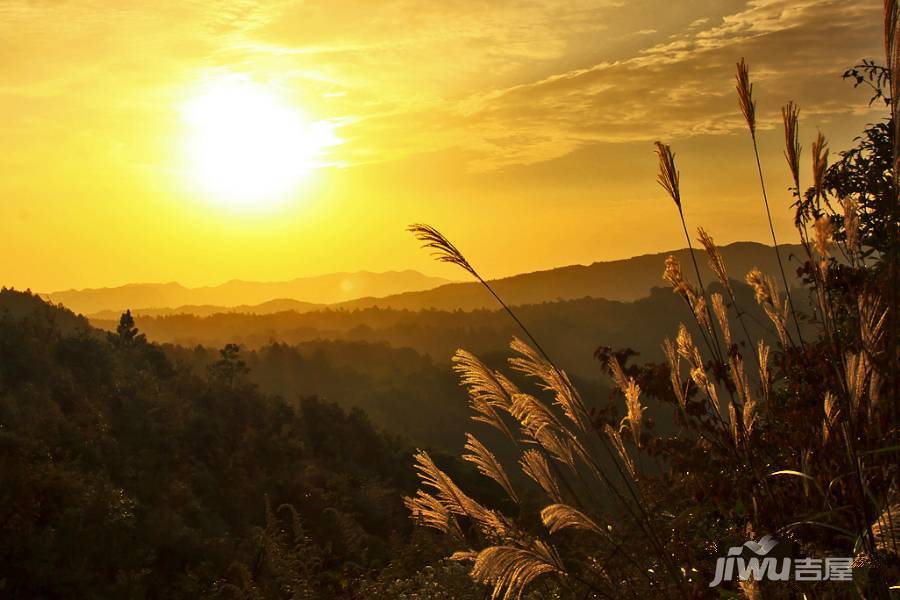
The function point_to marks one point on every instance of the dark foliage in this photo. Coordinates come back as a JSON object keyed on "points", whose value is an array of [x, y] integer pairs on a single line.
{"points": [[123, 474]]}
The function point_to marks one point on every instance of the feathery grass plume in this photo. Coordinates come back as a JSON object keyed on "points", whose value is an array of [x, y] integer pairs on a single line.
{"points": [[733, 421], [856, 373], [698, 374], [542, 426], [551, 379], [701, 312], [768, 297], [779, 319], [872, 318], [686, 347], [739, 378], [448, 493], [535, 466], [851, 223], [820, 164], [534, 416], [635, 414], [669, 179], [748, 107], [721, 312], [685, 342], [824, 228], [508, 386], [557, 517], [673, 273], [632, 391], [717, 265], [790, 113], [688, 292], [716, 261], [480, 382], [428, 511], [763, 287], [762, 353], [619, 445], [487, 464], [749, 415], [618, 375], [445, 251], [494, 525], [745, 95], [830, 406], [675, 277], [668, 176], [453, 499], [442, 249], [824, 236], [485, 389], [510, 569], [674, 361]]}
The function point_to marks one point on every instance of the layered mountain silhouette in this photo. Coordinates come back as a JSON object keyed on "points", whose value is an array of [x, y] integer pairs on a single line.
{"points": [[323, 289], [624, 280], [571, 309]]}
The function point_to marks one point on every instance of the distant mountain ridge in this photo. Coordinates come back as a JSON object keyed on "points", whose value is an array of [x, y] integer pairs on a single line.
{"points": [[324, 289], [623, 280], [620, 280]]}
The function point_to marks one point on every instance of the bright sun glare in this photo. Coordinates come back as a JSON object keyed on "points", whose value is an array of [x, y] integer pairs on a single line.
{"points": [[246, 147]]}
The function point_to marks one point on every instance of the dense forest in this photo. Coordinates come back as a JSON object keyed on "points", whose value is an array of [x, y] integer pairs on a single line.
{"points": [[572, 329], [126, 473]]}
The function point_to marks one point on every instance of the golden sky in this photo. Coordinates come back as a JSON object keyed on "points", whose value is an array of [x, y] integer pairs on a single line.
{"points": [[523, 130]]}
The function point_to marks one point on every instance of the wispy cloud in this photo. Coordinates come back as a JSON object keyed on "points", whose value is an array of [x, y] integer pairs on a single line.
{"points": [[506, 82], [682, 86]]}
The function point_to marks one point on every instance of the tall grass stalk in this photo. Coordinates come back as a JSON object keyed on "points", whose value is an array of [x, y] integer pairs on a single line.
{"points": [[445, 251], [748, 108], [670, 179], [802, 455]]}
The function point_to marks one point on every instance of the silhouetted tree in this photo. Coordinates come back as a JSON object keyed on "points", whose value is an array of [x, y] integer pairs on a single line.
{"points": [[230, 369], [128, 332]]}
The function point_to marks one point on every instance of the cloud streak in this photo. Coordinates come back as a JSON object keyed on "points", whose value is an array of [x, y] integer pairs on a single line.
{"points": [[507, 82]]}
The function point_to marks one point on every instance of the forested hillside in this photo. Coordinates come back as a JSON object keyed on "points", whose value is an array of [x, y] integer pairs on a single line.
{"points": [[571, 330], [126, 474]]}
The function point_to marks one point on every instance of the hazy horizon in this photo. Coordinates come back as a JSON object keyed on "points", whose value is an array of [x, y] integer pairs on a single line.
{"points": [[619, 280], [446, 277]]}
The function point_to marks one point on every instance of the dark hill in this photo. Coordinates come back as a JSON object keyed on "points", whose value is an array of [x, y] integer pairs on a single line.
{"points": [[624, 280], [323, 289]]}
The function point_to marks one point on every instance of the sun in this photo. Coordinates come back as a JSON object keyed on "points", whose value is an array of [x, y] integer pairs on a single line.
{"points": [[246, 147]]}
